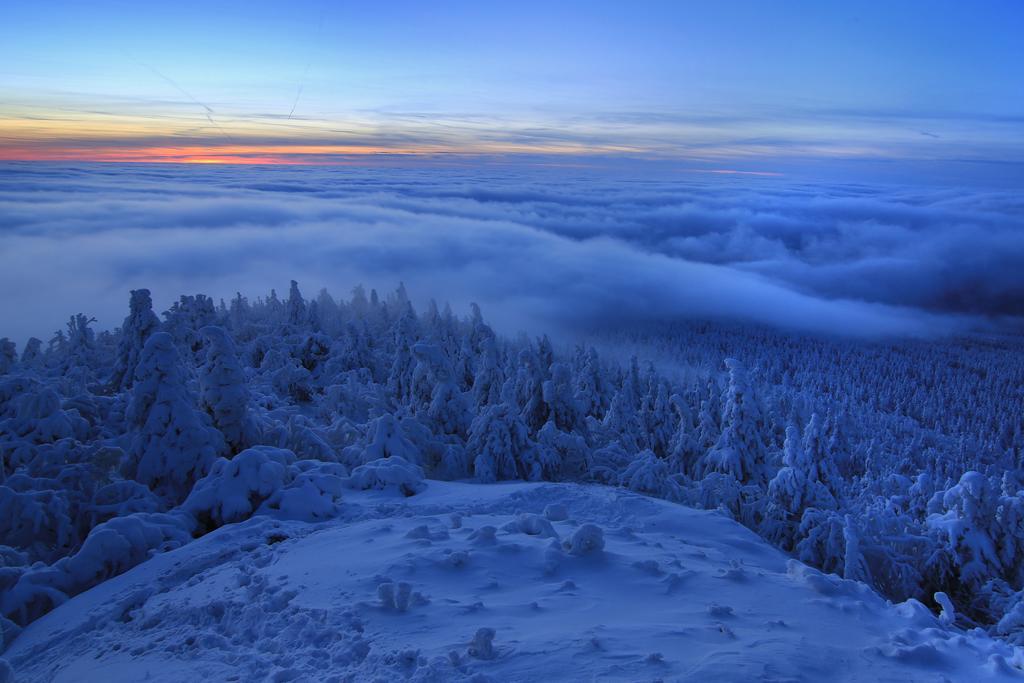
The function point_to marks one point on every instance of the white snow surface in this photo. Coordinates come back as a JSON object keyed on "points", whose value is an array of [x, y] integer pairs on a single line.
{"points": [[466, 582]]}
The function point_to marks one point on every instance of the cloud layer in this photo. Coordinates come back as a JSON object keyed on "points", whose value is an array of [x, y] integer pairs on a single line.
{"points": [[537, 248]]}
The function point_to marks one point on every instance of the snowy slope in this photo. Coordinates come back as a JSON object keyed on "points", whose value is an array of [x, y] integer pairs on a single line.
{"points": [[675, 594]]}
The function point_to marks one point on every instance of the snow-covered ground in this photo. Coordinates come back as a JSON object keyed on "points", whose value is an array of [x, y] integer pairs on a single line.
{"points": [[504, 582]]}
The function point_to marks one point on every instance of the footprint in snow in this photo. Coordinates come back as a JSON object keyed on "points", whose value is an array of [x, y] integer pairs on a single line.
{"points": [[648, 567], [720, 611], [423, 532], [485, 535], [734, 573], [456, 559]]}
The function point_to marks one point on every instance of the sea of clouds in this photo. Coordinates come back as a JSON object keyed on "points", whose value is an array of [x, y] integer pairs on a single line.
{"points": [[540, 249]]}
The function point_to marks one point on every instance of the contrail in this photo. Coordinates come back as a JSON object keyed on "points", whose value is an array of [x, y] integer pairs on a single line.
{"points": [[302, 84], [177, 87], [305, 72], [173, 84]]}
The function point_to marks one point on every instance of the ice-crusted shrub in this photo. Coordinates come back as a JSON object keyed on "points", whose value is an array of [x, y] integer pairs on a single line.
{"points": [[259, 479], [587, 540], [297, 434], [650, 474], [36, 520], [398, 597], [266, 480], [12, 388], [115, 546], [1011, 625], [288, 378], [40, 419], [556, 512], [388, 474], [312, 495], [120, 498], [482, 645], [720, 491], [315, 353], [235, 488], [948, 614], [606, 464], [110, 549], [439, 456], [389, 440]]}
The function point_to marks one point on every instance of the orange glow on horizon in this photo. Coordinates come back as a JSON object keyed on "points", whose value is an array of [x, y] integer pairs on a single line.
{"points": [[195, 154], [277, 155]]}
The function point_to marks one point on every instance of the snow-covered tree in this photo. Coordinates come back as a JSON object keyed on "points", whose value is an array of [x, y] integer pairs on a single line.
{"points": [[684, 450], [8, 355], [499, 445], [591, 392], [224, 394], [621, 422], [869, 491], [795, 487], [295, 308], [170, 447], [488, 379], [529, 389], [740, 450], [448, 411], [561, 404], [185, 318], [966, 526], [389, 440], [32, 356], [135, 330]]}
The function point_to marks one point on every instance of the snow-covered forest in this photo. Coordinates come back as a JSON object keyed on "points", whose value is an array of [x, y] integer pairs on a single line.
{"points": [[894, 463]]}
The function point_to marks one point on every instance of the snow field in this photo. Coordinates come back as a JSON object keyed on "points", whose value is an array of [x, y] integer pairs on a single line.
{"points": [[502, 582]]}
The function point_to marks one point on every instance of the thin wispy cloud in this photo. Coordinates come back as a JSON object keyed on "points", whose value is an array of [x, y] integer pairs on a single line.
{"points": [[674, 84]]}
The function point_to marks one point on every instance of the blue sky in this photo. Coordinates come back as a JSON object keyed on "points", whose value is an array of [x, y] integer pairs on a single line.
{"points": [[773, 87]]}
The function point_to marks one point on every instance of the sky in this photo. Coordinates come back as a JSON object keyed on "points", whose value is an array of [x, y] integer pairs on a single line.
{"points": [[873, 91]]}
